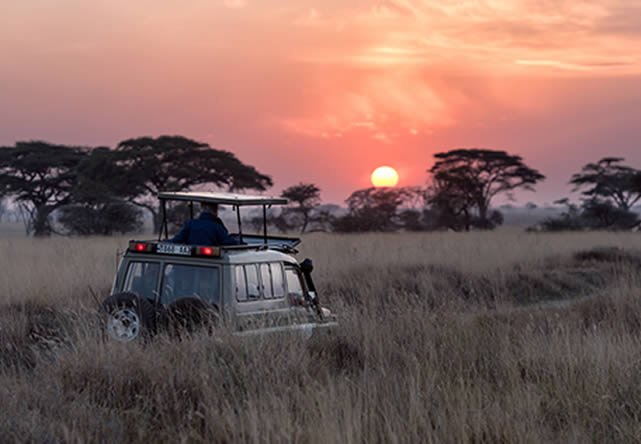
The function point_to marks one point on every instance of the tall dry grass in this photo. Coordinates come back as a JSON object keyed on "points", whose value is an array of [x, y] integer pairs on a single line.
{"points": [[443, 338]]}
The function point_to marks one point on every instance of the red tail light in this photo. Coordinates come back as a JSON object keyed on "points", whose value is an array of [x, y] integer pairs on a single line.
{"points": [[140, 247], [208, 251]]}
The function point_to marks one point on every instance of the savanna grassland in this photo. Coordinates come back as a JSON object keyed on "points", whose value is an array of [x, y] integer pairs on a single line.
{"points": [[481, 337]]}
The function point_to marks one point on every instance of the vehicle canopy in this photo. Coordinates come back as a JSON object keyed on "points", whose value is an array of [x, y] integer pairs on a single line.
{"points": [[236, 201]]}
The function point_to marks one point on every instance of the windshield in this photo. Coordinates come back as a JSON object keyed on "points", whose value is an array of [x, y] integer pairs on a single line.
{"points": [[142, 278], [180, 281]]}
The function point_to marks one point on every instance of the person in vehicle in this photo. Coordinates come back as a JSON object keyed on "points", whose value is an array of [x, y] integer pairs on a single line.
{"points": [[207, 229]]}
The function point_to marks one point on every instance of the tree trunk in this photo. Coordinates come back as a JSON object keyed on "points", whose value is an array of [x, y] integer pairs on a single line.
{"points": [[483, 211], [156, 217], [40, 222], [467, 220]]}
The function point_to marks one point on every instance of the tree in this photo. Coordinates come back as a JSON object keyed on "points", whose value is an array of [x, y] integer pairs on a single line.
{"points": [[39, 176], [451, 203], [175, 163], [306, 197], [608, 179], [372, 209], [468, 179], [603, 214], [100, 197]]}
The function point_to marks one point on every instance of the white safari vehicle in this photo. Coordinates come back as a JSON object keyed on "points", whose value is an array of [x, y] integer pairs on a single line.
{"points": [[254, 288]]}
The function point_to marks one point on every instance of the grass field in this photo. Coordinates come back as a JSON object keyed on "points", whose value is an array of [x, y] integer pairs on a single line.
{"points": [[480, 337]]}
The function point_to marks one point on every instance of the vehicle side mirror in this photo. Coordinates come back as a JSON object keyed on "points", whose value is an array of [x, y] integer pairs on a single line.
{"points": [[307, 266]]}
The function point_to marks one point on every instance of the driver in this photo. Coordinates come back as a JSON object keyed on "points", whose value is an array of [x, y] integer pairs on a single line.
{"points": [[207, 229]]}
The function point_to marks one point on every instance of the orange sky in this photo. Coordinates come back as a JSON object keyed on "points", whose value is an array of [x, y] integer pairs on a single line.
{"points": [[326, 91]]}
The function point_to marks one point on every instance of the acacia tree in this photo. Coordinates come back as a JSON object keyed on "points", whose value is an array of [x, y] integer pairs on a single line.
{"points": [[100, 197], [305, 197], [176, 163], [464, 180], [39, 176], [610, 180]]}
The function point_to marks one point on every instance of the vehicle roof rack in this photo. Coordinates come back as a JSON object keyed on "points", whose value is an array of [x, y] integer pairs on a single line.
{"points": [[236, 200], [222, 198]]}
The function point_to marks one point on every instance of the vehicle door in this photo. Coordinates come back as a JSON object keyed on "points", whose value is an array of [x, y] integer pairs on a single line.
{"points": [[260, 296]]}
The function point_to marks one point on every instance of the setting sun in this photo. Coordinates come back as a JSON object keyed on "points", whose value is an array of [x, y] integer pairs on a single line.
{"points": [[384, 177]]}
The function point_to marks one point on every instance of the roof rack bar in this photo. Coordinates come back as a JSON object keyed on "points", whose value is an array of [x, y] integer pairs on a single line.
{"points": [[240, 227], [164, 218], [222, 198], [265, 223]]}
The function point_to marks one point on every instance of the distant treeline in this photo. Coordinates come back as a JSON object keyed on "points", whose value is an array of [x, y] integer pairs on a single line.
{"points": [[82, 190]]}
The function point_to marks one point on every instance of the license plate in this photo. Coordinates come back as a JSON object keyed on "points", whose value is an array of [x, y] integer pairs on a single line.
{"points": [[183, 250]]}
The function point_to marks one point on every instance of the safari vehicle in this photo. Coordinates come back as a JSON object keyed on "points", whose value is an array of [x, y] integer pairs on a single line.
{"points": [[254, 288]]}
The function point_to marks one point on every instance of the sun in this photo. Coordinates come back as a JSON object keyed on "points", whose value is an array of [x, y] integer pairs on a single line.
{"points": [[384, 176]]}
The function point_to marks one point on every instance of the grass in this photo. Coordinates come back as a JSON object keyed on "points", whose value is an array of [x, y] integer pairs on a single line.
{"points": [[481, 337]]}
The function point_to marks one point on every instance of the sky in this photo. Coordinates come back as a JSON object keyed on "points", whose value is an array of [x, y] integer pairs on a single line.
{"points": [[326, 91]]}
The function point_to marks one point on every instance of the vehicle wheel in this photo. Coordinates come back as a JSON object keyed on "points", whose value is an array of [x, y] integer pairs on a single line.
{"points": [[129, 317], [190, 313]]}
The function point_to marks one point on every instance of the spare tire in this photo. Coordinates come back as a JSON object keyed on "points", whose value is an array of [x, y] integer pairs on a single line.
{"points": [[129, 317], [190, 313]]}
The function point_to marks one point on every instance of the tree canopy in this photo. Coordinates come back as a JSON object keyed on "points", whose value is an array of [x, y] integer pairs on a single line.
{"points": [[466, 180], [40, 177], [175, 163], [610, 180], [303, 198]]}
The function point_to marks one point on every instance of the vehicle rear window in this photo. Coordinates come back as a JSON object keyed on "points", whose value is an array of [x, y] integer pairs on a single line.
{"points": [[142, 278], [180, 281]]}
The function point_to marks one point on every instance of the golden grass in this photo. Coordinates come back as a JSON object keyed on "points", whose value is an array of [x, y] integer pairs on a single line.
{"points": [[439, 342]]}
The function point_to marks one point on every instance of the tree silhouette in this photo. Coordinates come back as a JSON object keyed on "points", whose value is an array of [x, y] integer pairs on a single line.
{"points": [[100, 196], [305, 197], [468, 179], [175, 163], [40, 177], [373, 209], [608, 179]]}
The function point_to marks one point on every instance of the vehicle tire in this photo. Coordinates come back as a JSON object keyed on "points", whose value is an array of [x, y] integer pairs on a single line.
{"points": [[191, 313], [129, 317]]}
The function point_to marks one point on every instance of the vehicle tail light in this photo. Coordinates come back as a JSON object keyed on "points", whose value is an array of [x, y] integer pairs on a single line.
{"points": [[208, 251], [140, 247]]}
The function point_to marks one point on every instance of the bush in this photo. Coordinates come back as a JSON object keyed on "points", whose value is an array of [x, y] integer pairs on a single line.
{"points": [[103, 219]]}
